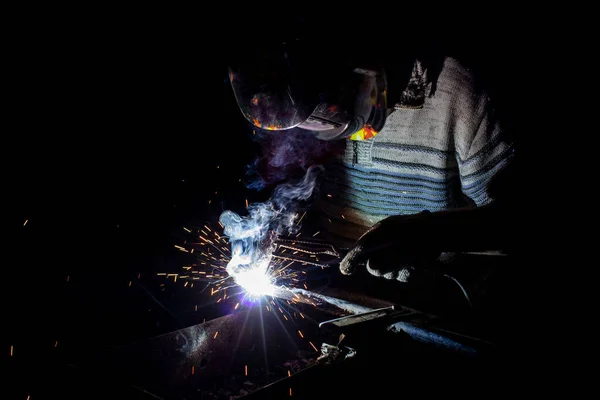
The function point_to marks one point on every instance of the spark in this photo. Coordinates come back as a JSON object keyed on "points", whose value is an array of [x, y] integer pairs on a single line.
{"points": [[298, 223], [130, 283], [11, 351], [236, 306], [289, 373], [187, 230], [290, 392], [316, 233], [301, 335], [246, 370], [192, 370], [181, 248], [246, 203], [25, 223], [56, 344], [313, 346], [216, 333], [68, 277]]}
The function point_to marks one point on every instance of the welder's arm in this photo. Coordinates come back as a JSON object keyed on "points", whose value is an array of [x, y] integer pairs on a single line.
{"points": [[398, 247]]}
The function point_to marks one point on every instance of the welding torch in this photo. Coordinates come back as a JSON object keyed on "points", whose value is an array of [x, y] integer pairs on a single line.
{"points": [[399, 240], [424, 235]]}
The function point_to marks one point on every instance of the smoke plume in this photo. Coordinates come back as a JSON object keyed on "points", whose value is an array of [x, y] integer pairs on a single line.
{"points": [[287, 154], [252, 237]]}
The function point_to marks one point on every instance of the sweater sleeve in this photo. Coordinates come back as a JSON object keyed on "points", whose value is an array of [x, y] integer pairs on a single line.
{"points": [[482, 147]]}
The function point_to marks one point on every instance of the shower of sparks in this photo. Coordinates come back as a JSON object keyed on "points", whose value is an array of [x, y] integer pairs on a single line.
{"points": [[271, 281], [213, 253]]}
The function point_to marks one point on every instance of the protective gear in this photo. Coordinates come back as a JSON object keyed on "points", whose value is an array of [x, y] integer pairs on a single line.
{"points": [[403, 247], [395, 248], [287, 86]]}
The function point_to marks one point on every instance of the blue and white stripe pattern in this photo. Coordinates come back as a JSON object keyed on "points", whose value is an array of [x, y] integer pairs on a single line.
{"points": [[437, 157]]}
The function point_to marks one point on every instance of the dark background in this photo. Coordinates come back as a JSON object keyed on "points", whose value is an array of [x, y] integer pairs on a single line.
{"points": [[120, 129]]}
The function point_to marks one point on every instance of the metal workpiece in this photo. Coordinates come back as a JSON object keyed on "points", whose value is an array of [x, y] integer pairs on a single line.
{"points": [[230, 356]]}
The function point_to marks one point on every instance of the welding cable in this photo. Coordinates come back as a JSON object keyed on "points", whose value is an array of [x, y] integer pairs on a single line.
{"points": [[464, 291]]}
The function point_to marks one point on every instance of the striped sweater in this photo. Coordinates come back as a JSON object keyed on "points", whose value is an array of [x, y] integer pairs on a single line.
{"points": [[436, 154]]}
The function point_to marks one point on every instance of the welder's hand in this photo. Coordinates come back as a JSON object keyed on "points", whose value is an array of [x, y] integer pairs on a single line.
{"points": [[398, 247]]}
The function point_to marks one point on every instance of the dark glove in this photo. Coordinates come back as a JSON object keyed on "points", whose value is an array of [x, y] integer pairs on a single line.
{"points": [[398, 247]]}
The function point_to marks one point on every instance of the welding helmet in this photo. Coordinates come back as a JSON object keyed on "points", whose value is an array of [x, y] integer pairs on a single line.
{"points": [[295, 85]]}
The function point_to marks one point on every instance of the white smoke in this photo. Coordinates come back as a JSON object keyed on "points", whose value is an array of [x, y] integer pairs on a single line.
{"points": [[253, 237]]}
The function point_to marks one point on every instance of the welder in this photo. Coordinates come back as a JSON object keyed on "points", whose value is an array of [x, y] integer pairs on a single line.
{"points": [[425, 161]]}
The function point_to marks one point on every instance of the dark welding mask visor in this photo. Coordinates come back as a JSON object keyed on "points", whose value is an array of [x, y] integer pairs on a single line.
{"points": [[275, 93], [354, 108], [270, 90]]}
